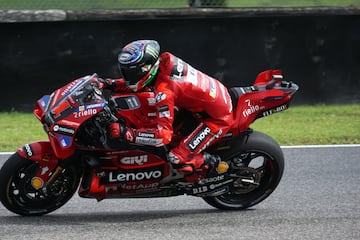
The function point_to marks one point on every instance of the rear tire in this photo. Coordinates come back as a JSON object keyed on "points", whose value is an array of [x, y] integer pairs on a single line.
{"points": [[18, 195], [257, 157]]}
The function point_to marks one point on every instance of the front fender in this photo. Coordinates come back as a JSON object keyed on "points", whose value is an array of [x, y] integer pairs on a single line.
{"points": [[42, 153]]}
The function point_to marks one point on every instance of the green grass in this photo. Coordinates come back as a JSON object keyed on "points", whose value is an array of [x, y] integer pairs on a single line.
{"points": [[121, 4], [291, 3], [299, 125], [18, 129], [303, 125]]}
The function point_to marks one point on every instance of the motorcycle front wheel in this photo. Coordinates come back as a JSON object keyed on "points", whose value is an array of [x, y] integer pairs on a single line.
{"points": [[257, 167], [19, 196]]}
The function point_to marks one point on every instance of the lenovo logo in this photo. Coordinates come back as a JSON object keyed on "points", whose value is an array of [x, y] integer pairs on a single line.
{"points": [[199, 138], [139, 176]]}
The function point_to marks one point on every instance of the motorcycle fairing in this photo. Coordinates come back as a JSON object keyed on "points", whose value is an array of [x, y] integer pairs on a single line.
{"points": [[268, 95], [125, 173], [42, 153], [66, 109], [137, 173]]}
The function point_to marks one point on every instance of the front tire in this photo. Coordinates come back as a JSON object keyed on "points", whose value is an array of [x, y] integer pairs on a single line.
{"points": [[259, 162], [18, 195]]}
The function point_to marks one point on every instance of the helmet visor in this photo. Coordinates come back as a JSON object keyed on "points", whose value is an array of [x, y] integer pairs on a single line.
{"points": [[132, 74]]}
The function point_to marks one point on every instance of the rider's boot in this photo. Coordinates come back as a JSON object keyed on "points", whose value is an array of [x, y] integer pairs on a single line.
{"points": [[212, 162]]}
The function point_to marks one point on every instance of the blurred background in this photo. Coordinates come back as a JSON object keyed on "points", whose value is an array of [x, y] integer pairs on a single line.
{"points": [[46, 43], [138, 4]]}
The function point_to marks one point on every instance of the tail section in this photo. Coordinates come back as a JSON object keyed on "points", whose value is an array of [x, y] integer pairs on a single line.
{"points": [[269, 94]]}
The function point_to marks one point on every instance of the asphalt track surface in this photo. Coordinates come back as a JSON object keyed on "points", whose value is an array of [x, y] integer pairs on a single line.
{"points": [[318, 198]]}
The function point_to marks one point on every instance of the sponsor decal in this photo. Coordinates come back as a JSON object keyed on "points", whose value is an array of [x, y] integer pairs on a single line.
{"points": [[125, 186], [28, 150], [275, 110], [198, 190], [199, 138], [192, 76], [132, 102], [64, 140], [164, 111], [96, 105], [165, 114], [151, 101], [216, 185], [90, 106], [160, 97], [134, 176], [212, 189], [148, 141], [146, 134], [134, 160], [84, 113], [212, 179], [218, 192], [251, 108], [44, 101], [163, 108], [64, 130], [71, 86], [179, 70], [138, 188], [212, 92]]}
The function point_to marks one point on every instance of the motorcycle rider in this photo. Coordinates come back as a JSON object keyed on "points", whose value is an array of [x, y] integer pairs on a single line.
{"points": [[175, 83]]}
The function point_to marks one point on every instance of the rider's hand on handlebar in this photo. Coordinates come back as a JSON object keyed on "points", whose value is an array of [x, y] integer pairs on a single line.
{"points": [[118, 130], [106, 83]]}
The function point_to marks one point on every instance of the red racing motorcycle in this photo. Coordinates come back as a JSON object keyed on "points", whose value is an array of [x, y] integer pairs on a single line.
{"points": [[42, 176]]}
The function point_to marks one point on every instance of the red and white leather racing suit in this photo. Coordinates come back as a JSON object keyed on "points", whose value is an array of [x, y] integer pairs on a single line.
{"points": [[179, 84]]}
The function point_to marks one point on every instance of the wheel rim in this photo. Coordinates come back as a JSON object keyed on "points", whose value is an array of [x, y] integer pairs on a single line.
{"points": [[25, 198], [258, 176]]}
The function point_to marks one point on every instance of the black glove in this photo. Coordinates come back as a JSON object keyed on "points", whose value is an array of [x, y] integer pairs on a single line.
{"points": [[107, 83]]}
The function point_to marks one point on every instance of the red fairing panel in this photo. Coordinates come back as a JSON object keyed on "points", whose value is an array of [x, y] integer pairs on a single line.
{"points": [[127, 173], [42, 153]]}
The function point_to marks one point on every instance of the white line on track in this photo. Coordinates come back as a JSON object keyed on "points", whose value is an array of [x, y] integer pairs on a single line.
{"points": [[6, 153], [323, 146]]}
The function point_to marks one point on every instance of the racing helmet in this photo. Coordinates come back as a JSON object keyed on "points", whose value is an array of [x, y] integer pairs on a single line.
{"points": [[139, 63]]}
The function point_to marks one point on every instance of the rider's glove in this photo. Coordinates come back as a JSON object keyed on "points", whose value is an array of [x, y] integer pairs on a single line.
{"points": [[118, 130], [107, 84]]}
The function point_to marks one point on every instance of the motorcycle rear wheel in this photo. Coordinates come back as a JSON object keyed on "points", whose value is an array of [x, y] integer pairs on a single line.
{"points": [[261, 162], [18, 195]]}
